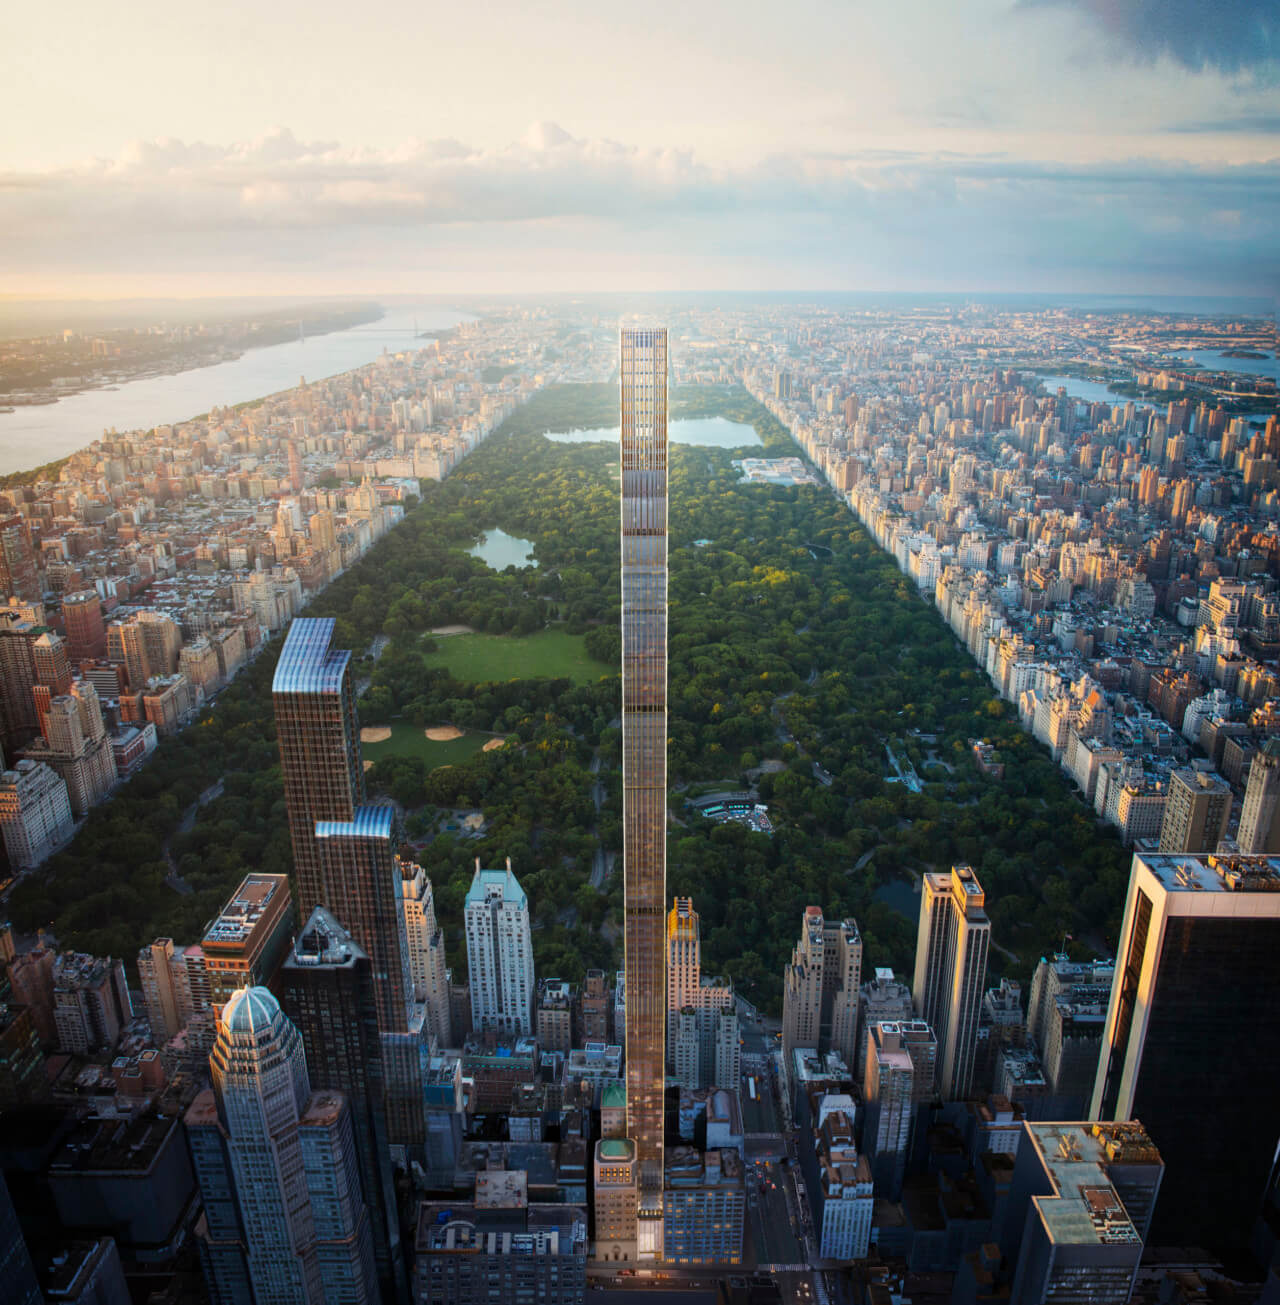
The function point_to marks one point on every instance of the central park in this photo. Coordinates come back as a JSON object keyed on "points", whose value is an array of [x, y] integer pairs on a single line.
{"points": [[803, 667]]}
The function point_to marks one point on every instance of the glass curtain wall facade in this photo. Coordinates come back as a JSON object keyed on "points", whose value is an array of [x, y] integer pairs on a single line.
{"points": [[319, 737], [362, 880], [643, 367], [1190, 1048]]}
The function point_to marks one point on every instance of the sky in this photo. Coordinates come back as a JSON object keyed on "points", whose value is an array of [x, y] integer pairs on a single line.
{"points": [[318, 148]]}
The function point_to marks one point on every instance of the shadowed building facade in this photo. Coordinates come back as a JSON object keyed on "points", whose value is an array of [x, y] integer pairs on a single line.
{"points": [[643, 365], [362, 883], [1189, 1046], [326, 986], [319, 737], [344, 852]]}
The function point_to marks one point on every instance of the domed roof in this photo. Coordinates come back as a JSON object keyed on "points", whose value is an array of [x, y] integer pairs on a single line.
{"points": [[250, 1010]]}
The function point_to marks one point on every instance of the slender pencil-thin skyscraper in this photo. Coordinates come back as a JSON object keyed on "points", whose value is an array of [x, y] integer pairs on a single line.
{"points": [[644, 757]]}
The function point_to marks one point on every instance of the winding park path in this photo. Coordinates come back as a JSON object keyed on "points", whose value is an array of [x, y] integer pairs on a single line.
{"points": [[185, 826]]}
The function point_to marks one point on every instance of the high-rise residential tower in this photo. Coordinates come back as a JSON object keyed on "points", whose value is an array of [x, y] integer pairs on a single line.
{"points": [[499, 953], [246, 941], [1196, 811], [820, 988], [1259, 829], [361, 876], [175, 986], [319, 736], [148, 644], [1189, 1046], [284, 1217], [425, 940], [326, 987], [344, 852], [684, 963], [643, 372], [700, 1014], [86, 632], [885, 1000], [897, 1076], [1066, 1015], [951, 971], [18, 570]]}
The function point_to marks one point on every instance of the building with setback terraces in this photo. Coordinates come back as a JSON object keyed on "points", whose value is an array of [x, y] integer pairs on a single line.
{"points": [[951, 970], [499, 953], [1079, 1209], [284, 1217], [820, 987]]}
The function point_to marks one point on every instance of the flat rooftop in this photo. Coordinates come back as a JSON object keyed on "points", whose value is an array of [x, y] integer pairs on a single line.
{"points": [[502, 1189], [243, 913], [114, 1145], [1085, 1208], [461, 1226], [1213, 873], [322, 1108], [324, 942]]}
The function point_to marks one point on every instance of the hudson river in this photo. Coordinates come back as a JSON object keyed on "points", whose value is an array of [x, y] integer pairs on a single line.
{"points": [[31, 436]]}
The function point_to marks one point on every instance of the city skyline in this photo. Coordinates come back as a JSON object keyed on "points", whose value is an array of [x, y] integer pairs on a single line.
{"points": [[1118, 146], [1051, 589]]}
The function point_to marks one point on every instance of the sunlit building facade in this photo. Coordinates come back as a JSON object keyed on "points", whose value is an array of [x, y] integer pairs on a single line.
{"points": [[643, 365], [951, 969]]}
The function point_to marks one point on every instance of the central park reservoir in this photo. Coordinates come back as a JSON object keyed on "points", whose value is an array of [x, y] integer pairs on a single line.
{"points": [[711, 432]]}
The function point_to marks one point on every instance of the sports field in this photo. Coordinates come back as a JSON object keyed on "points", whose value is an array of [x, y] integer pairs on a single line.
{"points": [[411, 741], [549, 653]]}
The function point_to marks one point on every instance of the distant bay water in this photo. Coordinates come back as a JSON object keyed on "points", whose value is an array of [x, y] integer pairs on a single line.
{"points": [[1095, 392], [1220, 362], [31, 436]]}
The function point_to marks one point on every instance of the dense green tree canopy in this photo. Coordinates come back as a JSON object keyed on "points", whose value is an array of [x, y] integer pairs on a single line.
{"points": [[794, 641]]}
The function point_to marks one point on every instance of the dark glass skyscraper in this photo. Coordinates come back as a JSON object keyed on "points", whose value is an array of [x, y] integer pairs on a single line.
{"points": [[326, 990], [1189, 1048], [344, 852], [644, 756], [16, 1270], [319, 737]]}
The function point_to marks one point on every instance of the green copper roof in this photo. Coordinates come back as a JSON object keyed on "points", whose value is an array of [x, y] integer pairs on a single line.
{"points": [[615, 1148], [614, 1097]]}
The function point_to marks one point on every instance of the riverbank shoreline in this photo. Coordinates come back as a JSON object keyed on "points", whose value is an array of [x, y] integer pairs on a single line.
{"points": [[46, 397]]}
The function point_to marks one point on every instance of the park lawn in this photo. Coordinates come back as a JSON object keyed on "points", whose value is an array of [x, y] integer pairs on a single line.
{"points": [[550, 653], [409, 741]]}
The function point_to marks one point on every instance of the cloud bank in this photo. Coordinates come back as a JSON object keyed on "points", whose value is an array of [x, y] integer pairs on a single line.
{"points": [[1231, 36], [552, 208]]}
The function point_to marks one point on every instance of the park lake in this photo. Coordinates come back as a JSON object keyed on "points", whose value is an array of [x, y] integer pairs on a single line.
{"points": [[500, 550]]}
